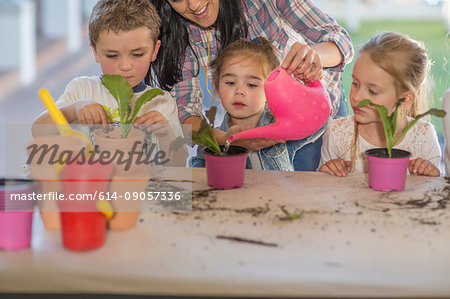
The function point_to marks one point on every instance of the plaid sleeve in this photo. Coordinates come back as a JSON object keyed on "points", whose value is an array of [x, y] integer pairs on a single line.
{"points": [[317, 26], [187, 92]]}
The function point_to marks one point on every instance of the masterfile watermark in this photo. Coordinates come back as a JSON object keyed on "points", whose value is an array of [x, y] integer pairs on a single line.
{"points": [[148, 155], [143, 174]]}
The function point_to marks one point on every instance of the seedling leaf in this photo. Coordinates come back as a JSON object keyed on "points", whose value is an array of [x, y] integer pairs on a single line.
{"points": [[390, 121], [119, 87]]}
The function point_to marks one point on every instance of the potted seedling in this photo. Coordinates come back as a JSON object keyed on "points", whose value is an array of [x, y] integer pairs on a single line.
{"points": [[119, 87], [123, 93], [127, 140], [224, 164], [388, 166]]}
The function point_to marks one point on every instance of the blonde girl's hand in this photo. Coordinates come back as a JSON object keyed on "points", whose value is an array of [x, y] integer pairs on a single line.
{"points": [[423, 167], [90, 112], [153, 121], [337, 167], [304, 63]]}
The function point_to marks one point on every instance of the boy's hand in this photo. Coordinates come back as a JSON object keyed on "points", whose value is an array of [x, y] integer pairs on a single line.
{"points": [[304, 63], [90, 112], [423, 167], [337, 167], [155, 122], [253, 144]]}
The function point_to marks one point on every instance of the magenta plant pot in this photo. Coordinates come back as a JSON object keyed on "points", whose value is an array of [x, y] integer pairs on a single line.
{"points": [[15, 217], [387, 174], [226, 172]]}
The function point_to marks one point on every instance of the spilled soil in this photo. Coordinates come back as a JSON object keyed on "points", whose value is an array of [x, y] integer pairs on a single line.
{"points": [[206, 200]]}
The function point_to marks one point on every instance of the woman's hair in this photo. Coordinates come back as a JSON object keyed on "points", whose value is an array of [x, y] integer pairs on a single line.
{"points": [[406, 60], [175, 39], [123, 15], [259, 50]]}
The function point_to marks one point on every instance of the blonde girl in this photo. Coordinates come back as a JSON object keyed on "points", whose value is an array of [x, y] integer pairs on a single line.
{"points": [[389, 67]]}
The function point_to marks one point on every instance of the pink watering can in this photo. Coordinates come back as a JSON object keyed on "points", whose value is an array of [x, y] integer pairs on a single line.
{"points": [[299, 110]]}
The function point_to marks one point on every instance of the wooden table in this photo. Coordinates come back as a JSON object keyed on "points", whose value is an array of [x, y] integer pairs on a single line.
{"points": [[349, 241]]}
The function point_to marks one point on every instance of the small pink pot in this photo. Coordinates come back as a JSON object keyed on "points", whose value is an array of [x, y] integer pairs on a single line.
{"points": [[15, 217], [226, 172], [387, 174]]}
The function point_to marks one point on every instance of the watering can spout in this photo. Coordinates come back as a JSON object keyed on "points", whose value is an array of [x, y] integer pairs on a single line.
{"points": [[270, 131], [299, 110]]}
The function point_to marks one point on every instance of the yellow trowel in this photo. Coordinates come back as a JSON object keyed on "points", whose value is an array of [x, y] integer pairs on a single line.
{"points": [[59, 119], [65, 130]]}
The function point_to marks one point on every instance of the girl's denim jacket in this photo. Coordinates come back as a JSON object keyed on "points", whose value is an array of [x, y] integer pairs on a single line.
{"points": [[276, 157]]}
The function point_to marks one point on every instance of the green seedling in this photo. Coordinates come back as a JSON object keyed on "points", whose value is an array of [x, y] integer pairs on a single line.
{"points": [[204, 136], [290, 216], [390, 121], [119, 87]]}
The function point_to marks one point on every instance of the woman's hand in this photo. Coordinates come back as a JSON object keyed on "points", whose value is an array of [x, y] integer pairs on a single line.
{"points": [[253, 144], [304, 63], [337, 167], [155, 122], [423, 167], [90, 112]]}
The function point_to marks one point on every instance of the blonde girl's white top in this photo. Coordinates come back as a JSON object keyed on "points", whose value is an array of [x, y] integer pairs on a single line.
{"points": [[91, 88], [421, 141]]}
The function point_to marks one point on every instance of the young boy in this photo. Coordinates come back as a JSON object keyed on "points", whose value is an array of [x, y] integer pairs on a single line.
{"points": [[124, 39]]}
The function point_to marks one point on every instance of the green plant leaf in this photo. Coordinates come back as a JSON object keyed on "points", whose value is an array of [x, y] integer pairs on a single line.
{"points": [[203, 137], [119, 87], [433, 111], [177, 143], [290, 216], [206, 138], [293, 216], [390, 122], [386, 121], [144, 98]]}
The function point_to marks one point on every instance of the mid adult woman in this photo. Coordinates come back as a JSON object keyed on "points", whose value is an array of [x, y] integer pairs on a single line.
{"points": [[310, 44]]}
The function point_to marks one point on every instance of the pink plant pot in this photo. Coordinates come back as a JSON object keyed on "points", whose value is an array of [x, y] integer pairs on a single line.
{"points": [[15, 217], [15, 230], [387, 174], [226, 172]]}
